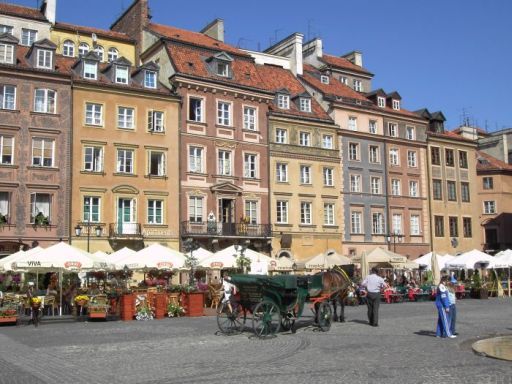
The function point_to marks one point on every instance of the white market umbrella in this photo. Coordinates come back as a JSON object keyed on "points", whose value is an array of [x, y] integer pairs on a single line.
{"points": [[113, 258], [226, 258], [7, 263], [200, 254], [326, 260], [364, 265], [281, 264], [155, 256], [468, 260], [426, 261], [434, 266], [504, 260]]}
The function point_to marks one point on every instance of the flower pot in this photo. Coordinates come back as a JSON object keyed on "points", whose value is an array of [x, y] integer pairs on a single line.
{"points": [[127, 307], [160, 305], [97, 315], [8, 319], [193, 303]]}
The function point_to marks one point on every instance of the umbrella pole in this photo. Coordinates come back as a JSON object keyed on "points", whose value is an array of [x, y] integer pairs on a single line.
{"points": [[508, 281], [60, 284]]}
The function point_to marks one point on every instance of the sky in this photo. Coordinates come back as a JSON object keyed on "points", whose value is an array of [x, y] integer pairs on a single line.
{"points": [[448, 55]]}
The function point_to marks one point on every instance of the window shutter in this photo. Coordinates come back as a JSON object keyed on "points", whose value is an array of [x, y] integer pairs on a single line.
{"points": [[150, 120]]}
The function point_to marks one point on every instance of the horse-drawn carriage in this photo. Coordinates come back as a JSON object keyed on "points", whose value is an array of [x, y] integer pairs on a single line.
{"points": [[275, 302]]}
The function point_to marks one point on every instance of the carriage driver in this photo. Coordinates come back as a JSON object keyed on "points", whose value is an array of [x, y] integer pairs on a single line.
{"points": [[229, 289]]}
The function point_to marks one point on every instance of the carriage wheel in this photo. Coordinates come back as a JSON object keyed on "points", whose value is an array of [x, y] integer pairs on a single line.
{"points": [[266, 319], [288, 324], [230, 323], [324, 316]]}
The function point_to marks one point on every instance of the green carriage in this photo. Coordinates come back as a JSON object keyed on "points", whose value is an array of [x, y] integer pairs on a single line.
{"points": [[275, 302]]}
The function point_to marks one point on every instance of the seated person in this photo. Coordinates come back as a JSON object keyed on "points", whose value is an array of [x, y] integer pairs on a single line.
{"points": [[51, 290]]}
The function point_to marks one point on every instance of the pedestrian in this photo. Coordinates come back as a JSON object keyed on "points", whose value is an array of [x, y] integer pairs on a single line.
{"points": [[229, 289], [453, 307], [374, 284], [443, 310]]}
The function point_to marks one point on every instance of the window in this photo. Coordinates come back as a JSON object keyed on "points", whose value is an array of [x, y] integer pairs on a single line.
{"points": [[489, 207], [305, 104], [305, 213], [28, 36], [91, 209], [195, 209], [40, 204], [415, 225], [396, 104], [437, 189], [372, 127], [464, 192], [463, 159], [7, 97], [435, 156], [324, 79], [327, 142], [283, 101], [125, 117], [195, 159], [121, 74], [93, 159], [488, 183], [155, 208], [100, 51], [453, 225], [45, 101], [412, 159], [250, 166], [328, 214], [83, 49], [5, 205], [439, 226], [224, 163], [353, 151], [394, 157], [223, 113], [352, 123], [68, 48], [156, 121], [90, 70], [450, 161], [377, 223], [113, 54], [195, 111], [410, 133], [250, 118], [305, 139], [282, 211], [358, 85], [156, 166], [43, 151], [355, 222], [466, 226], [413, 188], [6, 53], [93, 114], [281, 136], [395, 187], [376, 185], [381, 102], [150, 79], [6, 29], [281, 172], [305, 174], [393, 129], [452, 191], [223, 69], [6, 150], [251, 211], [344, 80], [125, 161], [397, 223], [355, 183], [328, 177], [374, 154]]}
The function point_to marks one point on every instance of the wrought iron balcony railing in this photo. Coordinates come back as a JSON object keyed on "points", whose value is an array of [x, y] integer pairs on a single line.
{"points": [[125, 230], [213, 229]]}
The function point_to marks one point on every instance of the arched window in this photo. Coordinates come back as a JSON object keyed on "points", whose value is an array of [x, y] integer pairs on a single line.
{"points": [[83, 49], [100, 51], [113, 54], [68, 48]]}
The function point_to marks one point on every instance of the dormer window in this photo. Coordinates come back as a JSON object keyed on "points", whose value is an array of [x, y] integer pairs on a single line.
{"points": [[100, 51], [44, 59], [6, 53], [396, 105], [358, 85], [68, 49], [28, 36], [283, 101], [344, 80], [381, 102], [90, 70], [121, 74], [83, 49], [223, 69], [113, 54], [150, 79], [305, 104], [324, 79]]}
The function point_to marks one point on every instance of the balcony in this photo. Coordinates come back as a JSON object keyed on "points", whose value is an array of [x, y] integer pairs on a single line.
{"points": [[125, 231], [232, 230]]}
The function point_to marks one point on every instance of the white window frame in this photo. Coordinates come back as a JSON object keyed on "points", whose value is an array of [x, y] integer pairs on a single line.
{"points": [[394, 156], [281, 172], [281, 136], [396, 187], [372, 127], [196, 159], [83, 49], [89, 202], [353, 152], [355, 183], [415, 225], [68, 48], [324, 79], [374, 154], [95, 164], [156, 121], [8, 97], [112, 54], [250, 165], [328, 174], [34, 204], [376, 185], [283, 101], [412, 159], [393, 129], [155, 205], [396, 104], [251, 211], [397, 226], [100, 52], [282, 211], [344, 80], [352, 123], [6, 53], [198, 109], [250, 119], [381, 102], [28, 36], [94, 114], [224, 113], [6, 29], [41, 160], [6, 158], [45, 97], [150, 79], [490, 207], [122, 74], [378, 224], [329, 215], [410, 132], [195, 209], [306, 210], [413, 188], [305, 104], [305, 139], [327, 142], [222, 69], [305, 174], [224, 162], [125, 117], [125, 161], [356, 222], [90, 70], [358, 85], [161, 163]]}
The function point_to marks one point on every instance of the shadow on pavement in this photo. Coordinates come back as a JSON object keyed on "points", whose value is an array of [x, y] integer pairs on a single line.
{"points": [[426, 333], [365, 322]]}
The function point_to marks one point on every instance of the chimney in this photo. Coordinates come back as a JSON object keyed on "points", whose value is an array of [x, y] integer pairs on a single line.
{"points": [[290, 47], [355, 57], [49, 9], [215, 30]]}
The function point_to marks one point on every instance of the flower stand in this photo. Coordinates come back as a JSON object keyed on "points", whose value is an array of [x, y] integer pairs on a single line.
{"points": [[193, 303], [161, 305], [127, 307]]}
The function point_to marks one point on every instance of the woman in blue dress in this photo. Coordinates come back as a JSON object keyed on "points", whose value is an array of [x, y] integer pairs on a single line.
{"points": [[443, 310]]}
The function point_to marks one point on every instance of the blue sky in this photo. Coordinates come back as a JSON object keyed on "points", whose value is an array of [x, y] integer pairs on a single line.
{"points": [[449, 55]]}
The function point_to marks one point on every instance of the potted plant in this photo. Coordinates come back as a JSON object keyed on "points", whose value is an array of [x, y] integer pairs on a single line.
{"points": [[41, 220], [98, 311], [175, 310], [478, 289], [192, 300]]}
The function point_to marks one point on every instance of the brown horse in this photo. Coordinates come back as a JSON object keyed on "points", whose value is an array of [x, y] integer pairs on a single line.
{"points": [[336, 284]]}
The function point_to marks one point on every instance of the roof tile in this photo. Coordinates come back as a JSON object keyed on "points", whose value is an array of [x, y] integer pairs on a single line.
{"points": [[24, 12], [491, 163], [341, 62], [105, 33]]}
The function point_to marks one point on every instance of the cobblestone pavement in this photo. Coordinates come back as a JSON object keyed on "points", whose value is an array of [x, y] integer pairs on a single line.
{"points": [[402, 349]]}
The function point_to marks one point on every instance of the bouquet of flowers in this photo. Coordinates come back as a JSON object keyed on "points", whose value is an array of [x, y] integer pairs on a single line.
{"points": [[175, 310], [35, 302], [143, 308], [81, 300]]}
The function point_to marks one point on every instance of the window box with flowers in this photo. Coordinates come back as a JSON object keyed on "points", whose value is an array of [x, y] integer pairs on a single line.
{"points": [[98, 311], [8, 315]]}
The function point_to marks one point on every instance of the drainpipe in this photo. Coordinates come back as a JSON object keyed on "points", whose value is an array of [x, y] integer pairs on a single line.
{"points": [[70, 187], [429, 199], [385, 185]]}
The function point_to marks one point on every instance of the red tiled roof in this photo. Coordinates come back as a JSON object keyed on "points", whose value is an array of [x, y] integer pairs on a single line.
{"points": [[276, 78], [62, 64], [478, 130], [89, 30], [341, 62], [24, 12], [450, 135], [491, 163], [195, 38]]}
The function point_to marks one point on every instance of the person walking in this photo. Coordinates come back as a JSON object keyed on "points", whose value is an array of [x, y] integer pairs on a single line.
{"points": [[374, 284], [443, 310]]}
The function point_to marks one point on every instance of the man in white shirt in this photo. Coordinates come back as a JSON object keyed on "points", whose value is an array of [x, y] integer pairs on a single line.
{"points": [[374, 284], [228, 289]]}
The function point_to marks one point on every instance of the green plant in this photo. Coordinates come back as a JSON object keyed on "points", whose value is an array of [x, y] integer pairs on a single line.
{"points": [[476, 281], [175, 310], [188, 288]]}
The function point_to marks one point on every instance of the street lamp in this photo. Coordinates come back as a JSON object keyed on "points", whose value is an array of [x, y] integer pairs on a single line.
{"points": [[88, 225], [394, 236]]}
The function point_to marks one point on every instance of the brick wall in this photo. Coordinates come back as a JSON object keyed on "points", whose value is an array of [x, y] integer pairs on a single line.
{"points": [[132, 22]]}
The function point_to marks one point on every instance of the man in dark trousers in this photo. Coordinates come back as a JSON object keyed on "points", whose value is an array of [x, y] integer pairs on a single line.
{"points": [[374, 284]]}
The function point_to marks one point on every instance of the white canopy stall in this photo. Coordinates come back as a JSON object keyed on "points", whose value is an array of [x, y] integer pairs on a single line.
{"points": [[468, 260], [326, 260], [226, 258], [155, 256]]}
